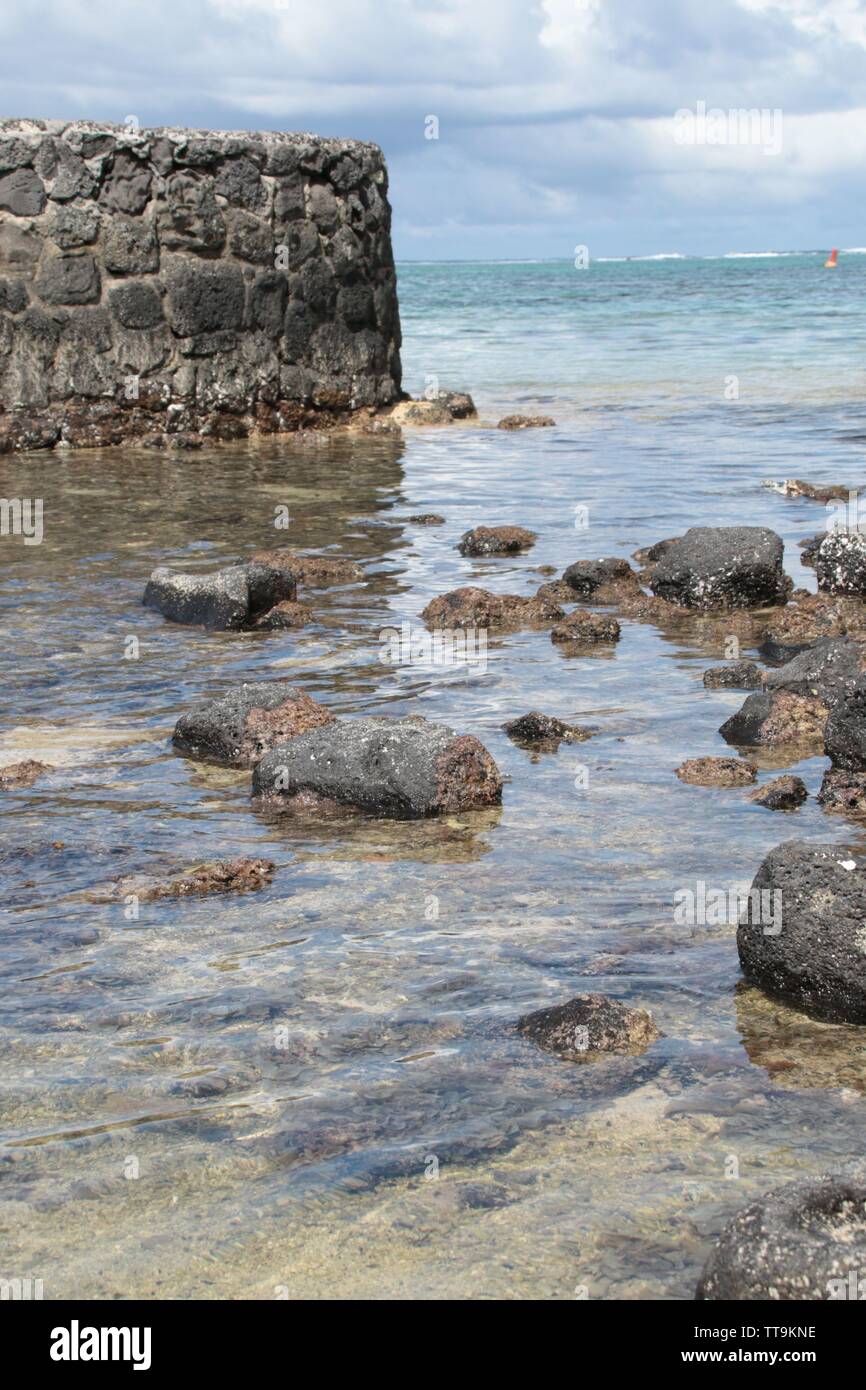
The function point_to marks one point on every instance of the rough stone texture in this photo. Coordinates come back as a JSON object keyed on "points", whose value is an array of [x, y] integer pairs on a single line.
{"points": [[770, 718], [803, 1241], [16, 775], [237, 729], [809, 549], [722, 567], [556, 591], [443, 409], [648, 608], [314, 571], [810, 618], [740, 675], [817, 960], [781, 794], [426, 519], [245, 275], [650, 554], [583, 626], [828, 669], [227, 599], [717, 772], [816, 492], [845, 732], [525, 422], [286, 616], [588, 1026], [473, 607], [843, 792], [220, 876], [400, 767], [840, 563], [459, 404], [496, 540], [535, 730], [586, 576]]}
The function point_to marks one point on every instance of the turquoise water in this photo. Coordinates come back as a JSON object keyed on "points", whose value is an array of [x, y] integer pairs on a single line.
{"points": [[154, 1139], [655, 335]]}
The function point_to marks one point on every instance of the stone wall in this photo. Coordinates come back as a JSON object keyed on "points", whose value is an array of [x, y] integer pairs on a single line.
{"points": [[168, 284]]}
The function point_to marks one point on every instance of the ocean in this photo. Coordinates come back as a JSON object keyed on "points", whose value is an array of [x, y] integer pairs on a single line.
{"points": [[317, 1090]]}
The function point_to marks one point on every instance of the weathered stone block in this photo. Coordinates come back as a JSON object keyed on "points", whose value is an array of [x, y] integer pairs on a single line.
{"points": [[22, 192], [203, 298], [127, 187], [68, 279], [129, 247], [136, 304]]}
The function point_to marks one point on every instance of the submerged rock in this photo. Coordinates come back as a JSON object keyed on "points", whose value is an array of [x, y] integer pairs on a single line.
{"points": [[816, 492], [840, 563], [777, 651], [808, 620], [770, 718], [443, 408], [313, 571], [427, 519], [583, 626], [740, 675], [16, 775], [289, 614], [646, 608], [459, 404], [406, 767], [813, 951], [556, 591], [587, 576], [420, 413], [723, 567], [226, 600], [474, 607], [781, 794], [220, 876], [798, 1052], [717, 772], [496, 540], [249, 719], [588, 1026], [843, 791], [525, 422], [543, 730], [803, 1241]]}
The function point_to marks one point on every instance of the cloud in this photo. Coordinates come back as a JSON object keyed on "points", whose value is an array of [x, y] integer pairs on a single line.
{"points": [[555, 117]]}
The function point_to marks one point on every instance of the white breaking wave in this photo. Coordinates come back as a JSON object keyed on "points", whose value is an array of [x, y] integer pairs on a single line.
{"points": [[661, 256], [760, 255]]}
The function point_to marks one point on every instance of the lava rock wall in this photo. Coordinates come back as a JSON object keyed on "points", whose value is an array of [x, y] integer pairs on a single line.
{"points": [[171, 284]]}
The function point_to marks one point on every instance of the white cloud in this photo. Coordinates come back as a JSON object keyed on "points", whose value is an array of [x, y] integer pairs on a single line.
{"points": [[553, 115]]}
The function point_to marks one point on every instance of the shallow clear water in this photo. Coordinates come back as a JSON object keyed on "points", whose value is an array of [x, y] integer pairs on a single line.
{"points": [[318, 1088]]}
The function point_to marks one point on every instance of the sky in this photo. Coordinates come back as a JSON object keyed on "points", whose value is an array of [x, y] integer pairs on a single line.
{"points": [[512, 129]]}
